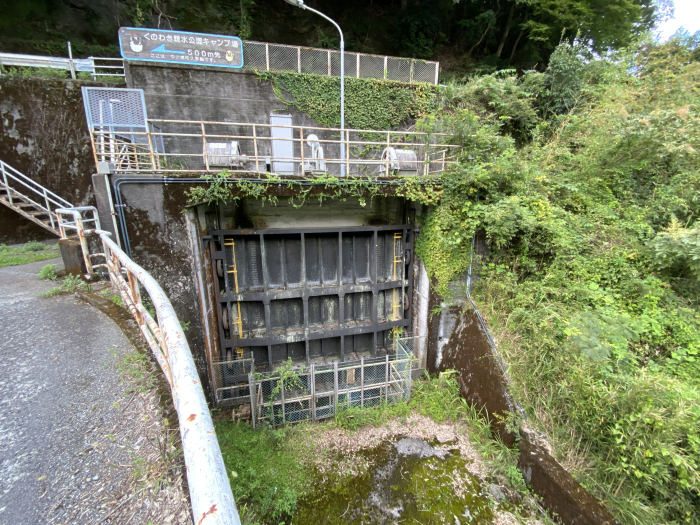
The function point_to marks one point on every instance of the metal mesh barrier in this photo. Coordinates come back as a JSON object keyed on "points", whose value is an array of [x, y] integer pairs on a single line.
{"points": [[319, 391], [231, 381], [264, 56]]}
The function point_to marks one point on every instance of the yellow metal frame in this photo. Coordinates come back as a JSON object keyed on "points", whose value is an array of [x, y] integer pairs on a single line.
{"points": [[397, 260], [234, 271]]}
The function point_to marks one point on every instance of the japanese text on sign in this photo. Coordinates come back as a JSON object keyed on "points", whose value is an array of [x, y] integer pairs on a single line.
{"points": [[179, 47]]}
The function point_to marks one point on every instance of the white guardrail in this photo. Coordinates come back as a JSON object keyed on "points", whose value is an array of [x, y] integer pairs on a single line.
{"points": [[210, 491], [96, 66]]}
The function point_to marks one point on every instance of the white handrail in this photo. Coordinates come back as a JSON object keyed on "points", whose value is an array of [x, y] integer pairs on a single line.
{"points": [[210, 491], [32, 185]]}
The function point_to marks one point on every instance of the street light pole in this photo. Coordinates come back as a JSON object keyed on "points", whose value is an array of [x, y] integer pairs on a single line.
{"points": [[300, 3]]}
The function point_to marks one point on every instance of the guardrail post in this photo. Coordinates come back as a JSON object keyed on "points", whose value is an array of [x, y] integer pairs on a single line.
{"points": [[48, 208], [84, 244], [301, 144], [386, 380], [94, 71], [267, 57], [255, 150], [150, 150], [385, 62], [347, 152], [313, 392], [204, 145], [298, 60], [358, 65], [284, 416], [329, 62], [362, 382], [135, 295], [437, 71], [413, 64], [335, 387]]}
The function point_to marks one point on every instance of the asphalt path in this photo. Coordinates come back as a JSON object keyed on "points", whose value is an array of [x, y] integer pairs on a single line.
{"points": [[61, 404]]}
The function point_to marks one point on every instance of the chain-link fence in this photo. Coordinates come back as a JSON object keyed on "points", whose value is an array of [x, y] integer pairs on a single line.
{"points": [[319, 391], [264, 56]]}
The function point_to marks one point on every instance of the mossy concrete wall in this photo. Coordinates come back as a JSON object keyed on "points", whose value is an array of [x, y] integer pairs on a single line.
{"points": [[44, 134]]}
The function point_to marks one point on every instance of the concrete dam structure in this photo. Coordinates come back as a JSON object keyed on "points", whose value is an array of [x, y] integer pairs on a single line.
{"points": [[228, 196]]}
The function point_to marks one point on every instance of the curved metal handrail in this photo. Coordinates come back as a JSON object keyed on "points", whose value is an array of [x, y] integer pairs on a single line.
{"points": [[210, 491]]}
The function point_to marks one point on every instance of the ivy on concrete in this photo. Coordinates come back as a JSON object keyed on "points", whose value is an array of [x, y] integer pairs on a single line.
{"points": [[227, 187], [369, 103]]}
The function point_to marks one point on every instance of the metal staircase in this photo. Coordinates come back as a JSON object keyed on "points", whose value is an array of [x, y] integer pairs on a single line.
{"points": [[30, 199]]}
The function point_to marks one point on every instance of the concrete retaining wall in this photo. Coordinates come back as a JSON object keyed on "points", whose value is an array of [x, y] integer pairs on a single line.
{"points": [[44, 134]]}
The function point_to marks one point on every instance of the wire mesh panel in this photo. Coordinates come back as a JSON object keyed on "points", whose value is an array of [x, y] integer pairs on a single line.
{"points": [[284, 58], [371, 66], [424, 71], [279, 57], [399, 69], [231, 382], [118, 109], [314, 61], [254, 55], [314, 394]]}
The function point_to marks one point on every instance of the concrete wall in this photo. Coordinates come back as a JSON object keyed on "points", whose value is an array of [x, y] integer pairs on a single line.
{"points": [[44, 134], [177, 92]]}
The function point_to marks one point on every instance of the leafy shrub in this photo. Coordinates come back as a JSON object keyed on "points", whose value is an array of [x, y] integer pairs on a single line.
{"points": [[33, 246], [48, 272]]}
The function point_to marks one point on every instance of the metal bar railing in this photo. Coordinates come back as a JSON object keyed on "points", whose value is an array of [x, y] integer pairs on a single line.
{"points": [[368, 151], [92, 65], [210, 491], [263, 56], [21, 190]]}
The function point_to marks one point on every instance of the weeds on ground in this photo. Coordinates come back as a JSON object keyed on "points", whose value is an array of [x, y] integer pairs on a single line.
{"points": [[48, 273], [265, 473], [30, 252], [70, 284], [136, 368]]}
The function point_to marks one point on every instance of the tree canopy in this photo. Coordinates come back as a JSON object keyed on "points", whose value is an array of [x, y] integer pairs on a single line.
{"points": [[466, 35]]}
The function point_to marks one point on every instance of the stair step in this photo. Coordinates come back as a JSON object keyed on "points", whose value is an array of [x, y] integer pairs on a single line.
{"points": [[37, 213]]}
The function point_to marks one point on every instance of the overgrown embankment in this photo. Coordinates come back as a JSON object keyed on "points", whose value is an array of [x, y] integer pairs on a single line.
{"points": [[585, 182]]}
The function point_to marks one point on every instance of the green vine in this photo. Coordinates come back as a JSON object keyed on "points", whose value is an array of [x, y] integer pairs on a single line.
{"points": [[369, 103], [223, 187]]}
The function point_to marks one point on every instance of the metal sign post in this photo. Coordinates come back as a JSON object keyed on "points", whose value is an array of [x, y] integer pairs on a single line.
{"points": [[178, 47]]}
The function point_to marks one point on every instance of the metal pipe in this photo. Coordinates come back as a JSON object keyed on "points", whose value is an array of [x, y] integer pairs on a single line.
{"points": [[210, 492]]}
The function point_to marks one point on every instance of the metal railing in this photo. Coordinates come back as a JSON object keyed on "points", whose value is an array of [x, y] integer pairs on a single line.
{"points": [[96, 66], [188, 146], [263, 56], [20, 190], [319, 391], [210, 491]]}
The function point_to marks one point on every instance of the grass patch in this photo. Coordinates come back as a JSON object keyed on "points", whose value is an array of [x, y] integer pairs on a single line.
{"points": [[70, 284], [30, 252], [270, 470]]}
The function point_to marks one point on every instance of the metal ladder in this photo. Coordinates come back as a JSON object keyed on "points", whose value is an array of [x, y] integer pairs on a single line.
{"points": [[30, 199]]}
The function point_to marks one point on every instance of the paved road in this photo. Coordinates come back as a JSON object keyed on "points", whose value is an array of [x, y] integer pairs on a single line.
{"points": [[61, 405]]}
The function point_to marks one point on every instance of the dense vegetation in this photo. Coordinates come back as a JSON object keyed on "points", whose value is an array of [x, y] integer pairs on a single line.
{"points": [[585, 181], [466, 35]]}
